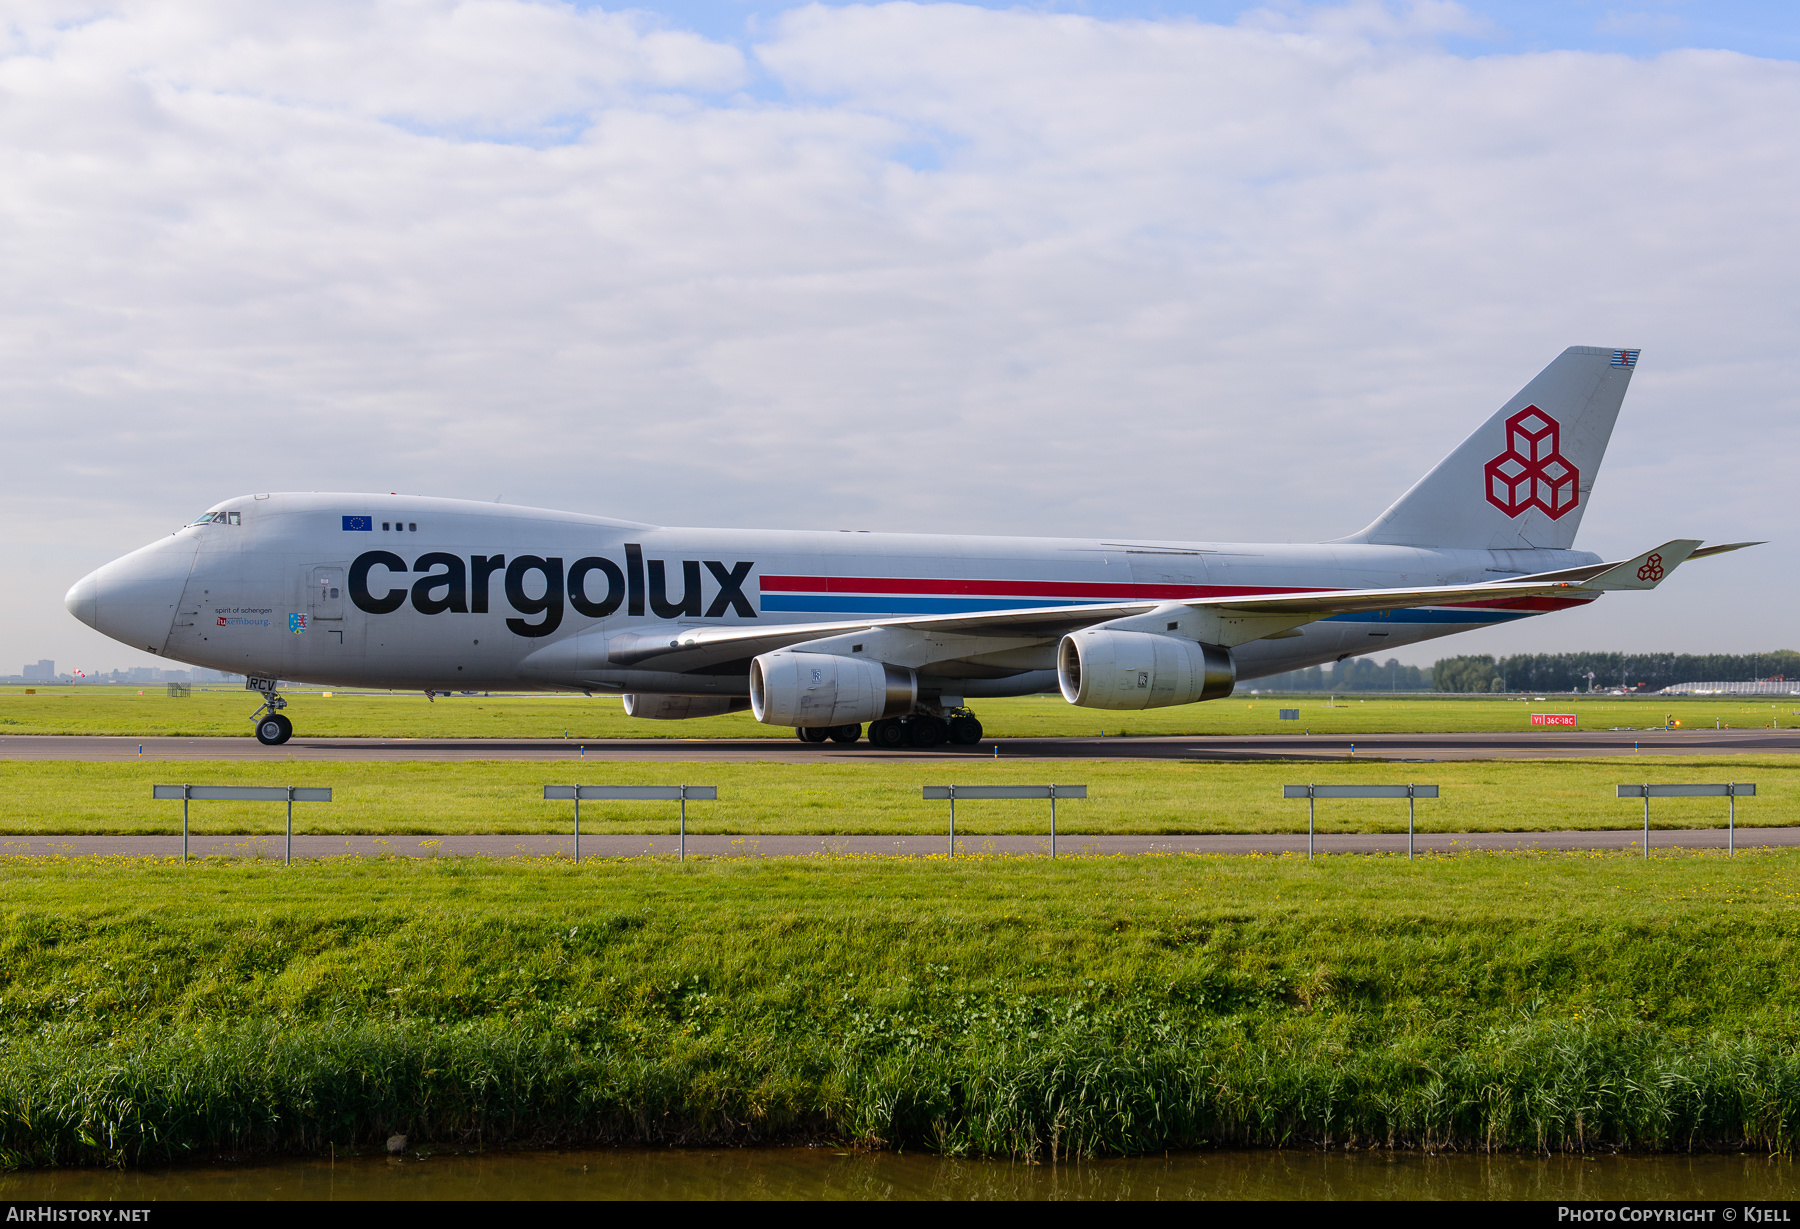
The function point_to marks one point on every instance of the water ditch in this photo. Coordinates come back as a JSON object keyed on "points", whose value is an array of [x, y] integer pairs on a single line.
{"points": [[823, 1173]]}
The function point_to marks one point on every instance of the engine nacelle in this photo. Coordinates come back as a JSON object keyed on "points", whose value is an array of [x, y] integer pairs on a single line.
{"points": [[680, 708], [1104, 668], [820, 689]]}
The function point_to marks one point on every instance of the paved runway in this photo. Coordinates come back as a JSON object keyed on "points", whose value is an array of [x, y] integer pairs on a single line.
{"points": [[916, 845], [1545, 744]]}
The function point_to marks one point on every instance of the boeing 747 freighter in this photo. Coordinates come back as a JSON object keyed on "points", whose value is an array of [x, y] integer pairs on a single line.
{"points": [[829, 631]]}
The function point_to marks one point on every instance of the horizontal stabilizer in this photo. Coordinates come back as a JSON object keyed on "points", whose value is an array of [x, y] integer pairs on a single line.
{"points": [[1704, 551]]}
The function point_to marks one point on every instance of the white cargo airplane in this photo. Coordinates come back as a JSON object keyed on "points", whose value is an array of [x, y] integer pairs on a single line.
{"points": [[825, 630]]}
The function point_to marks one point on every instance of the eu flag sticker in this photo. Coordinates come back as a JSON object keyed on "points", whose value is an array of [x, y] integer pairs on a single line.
{"points": [[364, 523]]}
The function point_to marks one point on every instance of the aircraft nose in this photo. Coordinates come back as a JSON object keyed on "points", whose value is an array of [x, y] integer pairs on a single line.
{"points": [[134, 599], [80, 598]]}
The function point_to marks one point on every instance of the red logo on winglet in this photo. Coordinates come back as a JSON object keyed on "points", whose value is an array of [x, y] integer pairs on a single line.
{"points": [[1532, 472], [1652, 569]]}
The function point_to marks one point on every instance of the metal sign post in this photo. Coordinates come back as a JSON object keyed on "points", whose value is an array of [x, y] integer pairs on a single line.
{"points": [[289, 794], [1732, 790], [1312, 793], [940, 793], [633, 793]]}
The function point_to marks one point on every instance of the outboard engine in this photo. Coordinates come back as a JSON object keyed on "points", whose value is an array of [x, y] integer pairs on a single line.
{"points": [[820, 689], [1106, 668]]}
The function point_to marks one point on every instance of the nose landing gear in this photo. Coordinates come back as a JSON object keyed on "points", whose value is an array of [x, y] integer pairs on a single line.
{"points": [[272, 729]]}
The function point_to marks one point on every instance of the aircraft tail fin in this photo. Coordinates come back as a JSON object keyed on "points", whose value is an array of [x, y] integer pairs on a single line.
{"points": [[1522, 479]]}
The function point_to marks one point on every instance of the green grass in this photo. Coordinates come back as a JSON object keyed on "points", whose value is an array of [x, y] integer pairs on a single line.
{"points": [[124, 712], [861, 797], [1003, 1006]]}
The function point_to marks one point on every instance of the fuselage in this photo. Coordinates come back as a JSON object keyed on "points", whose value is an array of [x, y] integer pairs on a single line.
{"points": [[443, 595]]}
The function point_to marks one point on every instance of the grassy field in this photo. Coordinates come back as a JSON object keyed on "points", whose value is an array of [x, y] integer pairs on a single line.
{"points": [[128, 712], [857, 797], [1000, 1006]]}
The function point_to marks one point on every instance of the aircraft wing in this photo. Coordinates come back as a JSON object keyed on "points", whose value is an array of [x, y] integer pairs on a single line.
{"points": [[1234, 620]]}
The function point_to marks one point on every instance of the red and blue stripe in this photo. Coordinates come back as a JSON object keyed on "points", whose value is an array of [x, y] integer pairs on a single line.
{"points": [[891, 596]]}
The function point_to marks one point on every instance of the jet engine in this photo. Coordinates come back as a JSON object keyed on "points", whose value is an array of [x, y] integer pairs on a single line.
{"points": [[680, 708], [1106, 668], [820, 689]]}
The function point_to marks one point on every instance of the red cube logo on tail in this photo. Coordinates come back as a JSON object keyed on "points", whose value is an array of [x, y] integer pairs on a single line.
{"points": [[1532, 473]]}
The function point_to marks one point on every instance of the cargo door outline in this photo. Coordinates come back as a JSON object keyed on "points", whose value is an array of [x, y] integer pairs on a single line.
{"points": [[326, 611], [1159, 565]]}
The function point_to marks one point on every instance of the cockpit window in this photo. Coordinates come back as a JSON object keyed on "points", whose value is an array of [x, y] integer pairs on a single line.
{"points": [[220, 518]]}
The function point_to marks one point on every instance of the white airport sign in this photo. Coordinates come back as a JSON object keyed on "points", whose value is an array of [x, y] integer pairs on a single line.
{"points": [[289, 794], [950, 793], [1312, 793], [1730, 790], [633, 793]]}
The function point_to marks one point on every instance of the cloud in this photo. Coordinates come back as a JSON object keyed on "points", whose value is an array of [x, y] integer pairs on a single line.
{"points": [[492, 67], [956, 270]]}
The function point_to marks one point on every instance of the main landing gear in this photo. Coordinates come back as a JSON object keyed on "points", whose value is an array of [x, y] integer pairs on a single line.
{"points": [[959, 728], [272, 729]]}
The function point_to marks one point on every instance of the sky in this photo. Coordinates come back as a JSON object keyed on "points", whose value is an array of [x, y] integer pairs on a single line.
{"points": [[1196, 271]]}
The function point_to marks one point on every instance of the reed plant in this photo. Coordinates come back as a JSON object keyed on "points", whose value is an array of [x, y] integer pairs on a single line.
{"points": [[999, 1006]]}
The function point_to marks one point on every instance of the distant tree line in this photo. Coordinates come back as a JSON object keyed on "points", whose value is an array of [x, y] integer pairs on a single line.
{"points": [[1537, 672], [1352, 674], [1569, 671]]}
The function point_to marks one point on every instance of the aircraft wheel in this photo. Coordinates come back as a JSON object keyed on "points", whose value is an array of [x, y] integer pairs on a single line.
{"points": [[274, 730], [813, 734], [965, 731], [887, 734], [846, 733], [925, 732]]}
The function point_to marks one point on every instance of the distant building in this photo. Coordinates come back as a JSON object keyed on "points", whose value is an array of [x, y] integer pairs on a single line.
{"points": [[1756, 687], [43, 672]]}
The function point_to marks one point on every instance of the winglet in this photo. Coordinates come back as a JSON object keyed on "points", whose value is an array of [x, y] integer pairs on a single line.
{"points": [[1648, 570]]}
